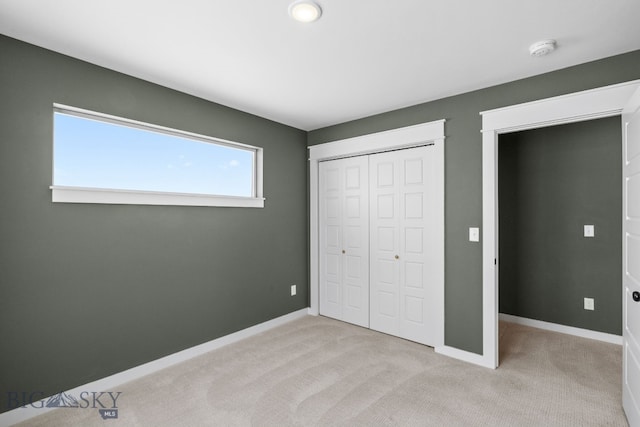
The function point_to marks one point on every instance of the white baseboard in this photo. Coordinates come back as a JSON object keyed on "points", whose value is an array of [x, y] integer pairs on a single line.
{"points": [[569, 330], [465, 356], [111, 382]]}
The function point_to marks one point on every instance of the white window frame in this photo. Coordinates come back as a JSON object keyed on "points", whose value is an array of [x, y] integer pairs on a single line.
{"points": [[66, 194]]}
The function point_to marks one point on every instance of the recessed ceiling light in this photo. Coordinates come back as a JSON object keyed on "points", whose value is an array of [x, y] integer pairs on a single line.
{"points": [[305, 11], [542, 48]]}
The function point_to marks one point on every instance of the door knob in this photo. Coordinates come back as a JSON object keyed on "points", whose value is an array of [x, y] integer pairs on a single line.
{"points": [[397, 257], [636, 296], [344, 252]]}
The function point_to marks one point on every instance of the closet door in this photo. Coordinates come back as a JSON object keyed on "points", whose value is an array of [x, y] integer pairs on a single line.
{"points": [[344, 239], [404, 230]]}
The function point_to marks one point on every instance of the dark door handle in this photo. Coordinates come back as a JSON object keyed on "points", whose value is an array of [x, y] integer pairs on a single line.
{"points": [[636, 296]]}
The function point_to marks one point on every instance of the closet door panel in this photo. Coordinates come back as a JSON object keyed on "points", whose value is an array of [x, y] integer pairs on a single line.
{"points": [[414, 191], [385, 243], [433, 257], [356, 241], [400, 244], [330, 237], [344, 240]]}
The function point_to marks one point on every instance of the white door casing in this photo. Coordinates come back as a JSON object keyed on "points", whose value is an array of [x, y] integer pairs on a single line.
{"points": [[404, 223], [586, 105], [407, 137], [631, 260], [344, 240]]}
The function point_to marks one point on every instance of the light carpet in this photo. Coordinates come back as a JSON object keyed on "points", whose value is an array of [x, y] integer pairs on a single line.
{"points": [[317, 371]]}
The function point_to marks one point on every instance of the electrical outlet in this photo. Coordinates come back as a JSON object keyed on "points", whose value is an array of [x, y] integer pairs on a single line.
{"points": [[293, 290], [589, 304], [589, 231]]}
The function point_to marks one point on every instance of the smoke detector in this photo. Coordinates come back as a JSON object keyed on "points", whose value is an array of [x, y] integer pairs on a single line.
{"points": [[542, 48]]}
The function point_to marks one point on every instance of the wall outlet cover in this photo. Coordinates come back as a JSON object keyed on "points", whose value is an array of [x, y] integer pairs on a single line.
{"points": [[293, 290], [589, 304], [589, 231]]}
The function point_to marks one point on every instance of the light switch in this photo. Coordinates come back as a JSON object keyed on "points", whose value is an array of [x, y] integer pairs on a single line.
{"points": [[474, 234], [589, 231]]}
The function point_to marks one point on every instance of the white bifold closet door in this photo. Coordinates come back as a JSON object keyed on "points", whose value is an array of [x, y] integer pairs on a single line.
{"points": [[380, 242], [404, 244], [344, 239]]}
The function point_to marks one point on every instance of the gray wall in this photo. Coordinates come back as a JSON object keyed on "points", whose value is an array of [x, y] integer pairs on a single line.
{"points": [[463, 171], [90, 290], [553, 181]]}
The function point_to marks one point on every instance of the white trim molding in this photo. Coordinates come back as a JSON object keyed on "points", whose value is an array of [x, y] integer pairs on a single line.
{"points": [[431, 133], [465, 356], [62, 194], [393, 139], [574, 107], [114, 381], [580, 106], [563, 329]]}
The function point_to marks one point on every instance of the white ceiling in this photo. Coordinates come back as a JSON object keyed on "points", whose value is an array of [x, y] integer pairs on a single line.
{"points": [[362, 57]]}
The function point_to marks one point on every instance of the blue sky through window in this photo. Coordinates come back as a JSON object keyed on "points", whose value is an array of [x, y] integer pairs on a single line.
{"points": [[95, 154]]}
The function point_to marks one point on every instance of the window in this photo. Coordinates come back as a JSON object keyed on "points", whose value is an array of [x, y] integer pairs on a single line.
{"points": [[105, 159]]}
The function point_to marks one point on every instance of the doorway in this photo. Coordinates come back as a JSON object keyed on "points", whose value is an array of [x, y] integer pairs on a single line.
{"points": [[553, 182], [603, 102]]}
